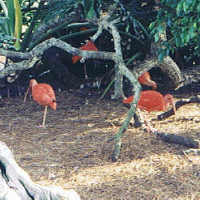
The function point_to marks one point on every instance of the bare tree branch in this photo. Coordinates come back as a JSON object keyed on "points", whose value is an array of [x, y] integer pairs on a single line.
{"points": [[23, 65], [30, 58], [120, 71]]}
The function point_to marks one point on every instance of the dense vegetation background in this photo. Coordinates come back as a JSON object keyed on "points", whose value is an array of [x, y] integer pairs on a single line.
{"points": [[27, 23]]}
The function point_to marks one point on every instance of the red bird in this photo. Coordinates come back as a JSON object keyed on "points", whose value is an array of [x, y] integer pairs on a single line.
{"points": [[145, 79], [151, 100], [89, 46], [43, 94]]}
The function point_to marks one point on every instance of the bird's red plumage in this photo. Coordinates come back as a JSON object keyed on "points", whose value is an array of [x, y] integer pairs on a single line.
{"points": [[89, 46], [44, 95], [145, 79], [150, 100]]}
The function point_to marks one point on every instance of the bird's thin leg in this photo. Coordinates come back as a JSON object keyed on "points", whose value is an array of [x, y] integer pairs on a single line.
{"points": [[44, 116], [146, 122], [85, 71], [26, 95], [8, 92], [143, 119], [174, 109]]}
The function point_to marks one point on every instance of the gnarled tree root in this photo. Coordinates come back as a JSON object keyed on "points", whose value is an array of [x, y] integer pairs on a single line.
{"points": [[15, 183], [177, 139], [166, 137]]}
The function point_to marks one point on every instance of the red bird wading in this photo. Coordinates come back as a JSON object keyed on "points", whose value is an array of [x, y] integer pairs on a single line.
{"points": [[44, 95]]}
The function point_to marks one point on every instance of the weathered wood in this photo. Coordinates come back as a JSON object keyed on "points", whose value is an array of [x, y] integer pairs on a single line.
{"points": [[168, 66], [120, 71], [178, 105], [15, 183], [177, 139]]}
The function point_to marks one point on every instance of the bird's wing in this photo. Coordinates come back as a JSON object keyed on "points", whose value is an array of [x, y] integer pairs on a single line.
{"points": [[48, 90], [151, 103]]}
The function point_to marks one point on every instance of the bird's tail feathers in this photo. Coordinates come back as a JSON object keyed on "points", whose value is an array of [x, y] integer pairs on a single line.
{"points": [[53, 105], [128, 100]]}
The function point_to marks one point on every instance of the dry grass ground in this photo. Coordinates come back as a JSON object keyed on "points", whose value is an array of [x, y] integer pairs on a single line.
{"points": [[73, 151]]}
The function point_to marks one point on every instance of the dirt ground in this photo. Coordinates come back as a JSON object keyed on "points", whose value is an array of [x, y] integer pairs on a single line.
{"points": [[73, 152]]}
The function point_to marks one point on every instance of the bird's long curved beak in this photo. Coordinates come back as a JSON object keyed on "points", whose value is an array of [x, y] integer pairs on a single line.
{"points": [[151, 83], [25, 96]]}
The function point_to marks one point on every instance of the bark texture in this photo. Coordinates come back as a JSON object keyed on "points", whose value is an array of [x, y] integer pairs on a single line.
{"points": [[15, 183]]}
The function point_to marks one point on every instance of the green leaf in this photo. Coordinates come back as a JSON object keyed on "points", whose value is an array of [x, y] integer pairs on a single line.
{"points": [[156, 37], [194, 25], [182, 37], [179, 8], [127, 28], [185, 6], [91, 14], [178, 41], [4, 25], [18, 24], [11, 16], [142, 27], [152, 25], [89, 8], [198, 8]]}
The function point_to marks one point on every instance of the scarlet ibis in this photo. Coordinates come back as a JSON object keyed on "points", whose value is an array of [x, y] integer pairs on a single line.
{"points": [[151, 100], [43, 94], [145, 79], [89, 46]]}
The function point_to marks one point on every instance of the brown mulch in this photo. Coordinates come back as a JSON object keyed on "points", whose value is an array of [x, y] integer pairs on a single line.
{"points": [[73, 152]]}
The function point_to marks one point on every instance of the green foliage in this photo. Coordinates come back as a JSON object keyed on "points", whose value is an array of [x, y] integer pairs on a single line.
{"points": [[11, 17], [181, 18], [4, 25], [36, 13], [89, 8], [18, 24], [11, 25], [56, 8]]}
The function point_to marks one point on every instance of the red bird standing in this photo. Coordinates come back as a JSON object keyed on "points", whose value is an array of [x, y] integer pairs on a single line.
{"points": [[151, 100], [89, 46], [43, 94], [145, 79]]}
